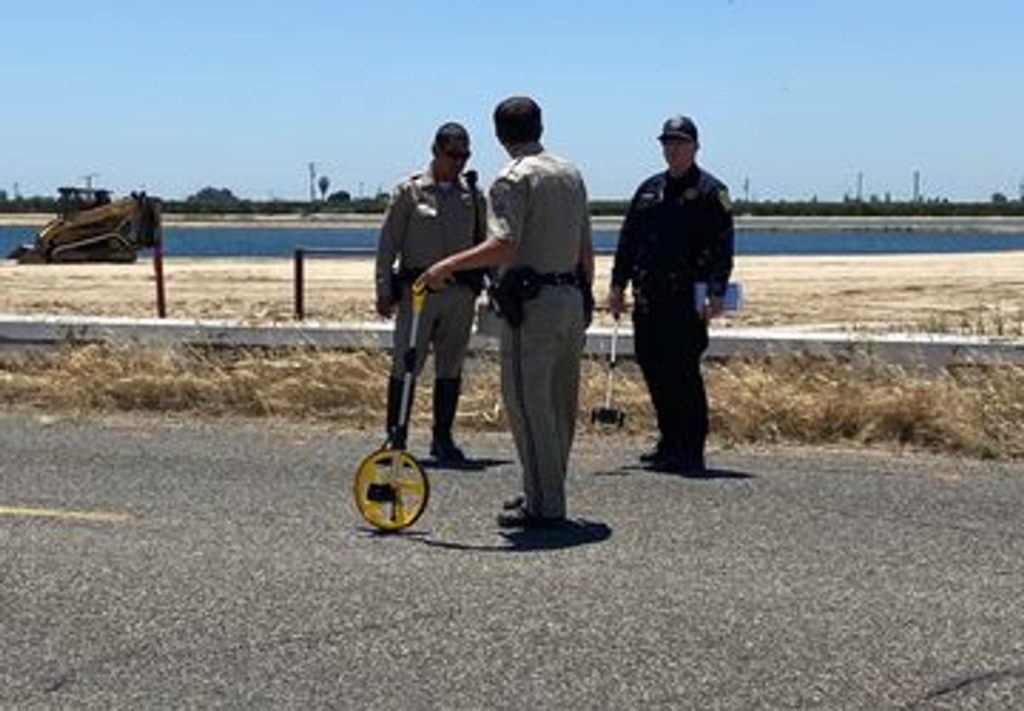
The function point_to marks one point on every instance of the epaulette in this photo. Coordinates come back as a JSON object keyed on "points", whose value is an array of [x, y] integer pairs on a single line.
{"points": [[413, 185], [712, 186], [510, 170]]}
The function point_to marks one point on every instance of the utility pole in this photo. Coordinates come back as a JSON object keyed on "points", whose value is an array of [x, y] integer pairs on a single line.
{"points": [[17, 194], [917, 186], [1021, 188], [860, 187], [88, 179], [746, 190]]}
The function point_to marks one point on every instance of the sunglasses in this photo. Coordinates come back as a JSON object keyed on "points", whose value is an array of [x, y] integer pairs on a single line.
{"points": [[458, 155]]}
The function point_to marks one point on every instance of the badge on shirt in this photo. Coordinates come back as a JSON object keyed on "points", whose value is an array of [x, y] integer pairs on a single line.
{"points": [[723, 197], [690, 194], [426, 209]]}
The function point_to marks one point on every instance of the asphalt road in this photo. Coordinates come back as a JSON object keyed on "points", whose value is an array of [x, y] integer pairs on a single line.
{"points": [[149, 563]]}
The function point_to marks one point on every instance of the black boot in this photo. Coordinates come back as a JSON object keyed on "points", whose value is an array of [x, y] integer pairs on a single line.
{"points": [[396, 438], [679, 458], [657, 454], [446, 401]]}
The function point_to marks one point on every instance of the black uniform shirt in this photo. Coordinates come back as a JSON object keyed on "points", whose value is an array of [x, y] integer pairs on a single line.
{"points": [[679, 230]]}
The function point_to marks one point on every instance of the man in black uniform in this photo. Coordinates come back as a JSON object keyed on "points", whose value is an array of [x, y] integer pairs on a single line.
{"points": [[678, 233]]}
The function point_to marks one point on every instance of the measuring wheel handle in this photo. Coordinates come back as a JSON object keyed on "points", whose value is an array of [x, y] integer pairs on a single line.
{"points": [[390, 488]]}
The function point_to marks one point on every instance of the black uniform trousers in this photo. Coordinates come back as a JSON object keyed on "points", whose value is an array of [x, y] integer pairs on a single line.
{"points": [[668, 339]]}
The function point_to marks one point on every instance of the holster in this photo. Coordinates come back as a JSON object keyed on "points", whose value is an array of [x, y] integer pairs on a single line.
{"points": [[511, 292]]}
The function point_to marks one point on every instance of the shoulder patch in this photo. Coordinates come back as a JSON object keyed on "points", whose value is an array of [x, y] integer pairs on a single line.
{"points": [[723, 197], [499, 197]]}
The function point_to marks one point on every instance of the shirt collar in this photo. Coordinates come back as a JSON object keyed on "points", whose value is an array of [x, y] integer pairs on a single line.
{"points": [[426, 177], [427, 181], [530, 148], [689, 176]]}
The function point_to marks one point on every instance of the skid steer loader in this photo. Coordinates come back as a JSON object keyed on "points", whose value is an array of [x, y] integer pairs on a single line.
{"points": [[92, 228]]}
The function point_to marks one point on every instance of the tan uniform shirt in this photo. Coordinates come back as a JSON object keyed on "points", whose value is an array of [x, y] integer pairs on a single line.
{"points": [[539, 201], [425, 221]]}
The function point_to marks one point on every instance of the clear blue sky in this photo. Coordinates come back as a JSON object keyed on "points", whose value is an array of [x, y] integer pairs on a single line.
{"points": [[799, 96]]}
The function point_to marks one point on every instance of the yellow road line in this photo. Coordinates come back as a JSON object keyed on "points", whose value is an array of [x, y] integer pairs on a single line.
{"points": [[66, 514]]}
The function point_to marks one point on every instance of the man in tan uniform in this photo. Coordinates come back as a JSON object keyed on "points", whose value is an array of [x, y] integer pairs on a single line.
{"points": [[431, 215], [539, 231]]}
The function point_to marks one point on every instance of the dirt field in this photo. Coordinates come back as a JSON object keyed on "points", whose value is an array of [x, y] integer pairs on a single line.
{"points": [[964, 293]]}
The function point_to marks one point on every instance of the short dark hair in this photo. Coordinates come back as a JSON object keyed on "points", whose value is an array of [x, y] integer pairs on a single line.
{"points": [[517, 120], [449, 132]]}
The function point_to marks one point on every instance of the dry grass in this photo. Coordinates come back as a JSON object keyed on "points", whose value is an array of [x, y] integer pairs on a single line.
{"points": [[972, 410]]}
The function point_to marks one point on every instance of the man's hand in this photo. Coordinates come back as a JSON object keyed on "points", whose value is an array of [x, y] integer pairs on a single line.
{"points": [[385, 306], [713, 308], [616, 301], [436, 277]]}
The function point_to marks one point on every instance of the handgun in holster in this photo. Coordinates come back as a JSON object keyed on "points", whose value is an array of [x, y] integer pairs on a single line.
{"points": [[511, 292]]}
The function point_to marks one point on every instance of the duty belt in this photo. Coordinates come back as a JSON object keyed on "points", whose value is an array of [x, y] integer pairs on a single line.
{"points": [[558, 279], [663, 281], [521, 284]]}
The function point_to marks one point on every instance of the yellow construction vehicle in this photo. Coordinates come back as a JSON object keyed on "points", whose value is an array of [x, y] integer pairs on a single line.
{"points": [[92, 228]]}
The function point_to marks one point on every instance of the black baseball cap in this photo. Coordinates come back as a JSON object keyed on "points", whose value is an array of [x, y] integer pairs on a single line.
{"points": [[678, 127]]}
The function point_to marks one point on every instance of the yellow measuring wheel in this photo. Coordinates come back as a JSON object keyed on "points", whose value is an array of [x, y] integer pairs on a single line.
{"points": [[390, 487]]}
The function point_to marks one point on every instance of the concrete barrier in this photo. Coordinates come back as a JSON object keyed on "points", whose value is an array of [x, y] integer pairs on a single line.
{"points": [[916, 350]]}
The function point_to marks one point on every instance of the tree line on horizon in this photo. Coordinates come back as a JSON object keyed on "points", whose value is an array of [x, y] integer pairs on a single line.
{"points": [[210, 200]]}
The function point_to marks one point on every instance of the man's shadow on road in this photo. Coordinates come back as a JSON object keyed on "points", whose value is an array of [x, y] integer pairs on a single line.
{"points": [[711, 474], [572, 533]]}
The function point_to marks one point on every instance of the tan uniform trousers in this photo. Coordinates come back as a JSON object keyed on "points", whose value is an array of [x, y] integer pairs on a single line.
{"points": [[445, 325], [540, 375]]}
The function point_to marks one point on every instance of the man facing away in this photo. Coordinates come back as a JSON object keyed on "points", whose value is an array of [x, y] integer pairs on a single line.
{"points": [[432, 214], [539, 232]]}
